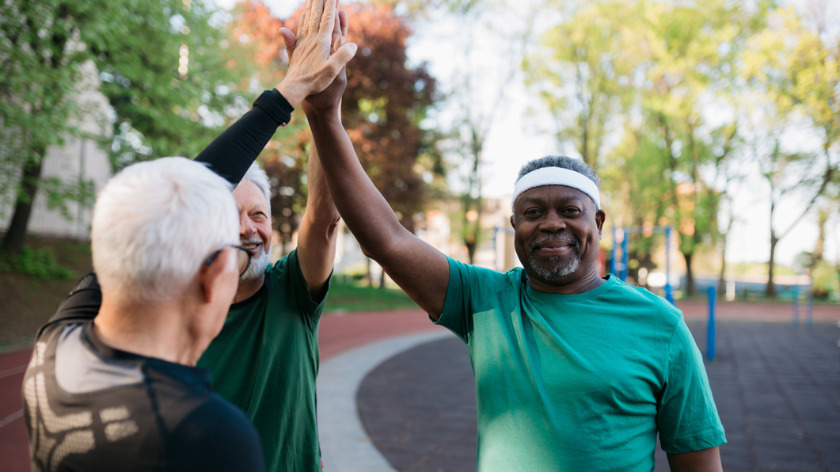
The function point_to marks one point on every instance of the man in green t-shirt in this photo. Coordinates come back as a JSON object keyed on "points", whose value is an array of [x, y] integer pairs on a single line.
{"points": [[573, 371], [265, 359]]}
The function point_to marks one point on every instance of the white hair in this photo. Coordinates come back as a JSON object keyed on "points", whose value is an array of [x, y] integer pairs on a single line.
{"points": [[155, 223], [257, 176]]}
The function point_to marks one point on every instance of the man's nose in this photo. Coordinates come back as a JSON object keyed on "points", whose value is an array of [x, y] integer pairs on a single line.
{"points": [[553, 222], [246, 226]]}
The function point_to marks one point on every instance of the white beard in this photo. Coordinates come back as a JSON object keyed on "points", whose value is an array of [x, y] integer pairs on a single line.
{"points": [[256, 268]]}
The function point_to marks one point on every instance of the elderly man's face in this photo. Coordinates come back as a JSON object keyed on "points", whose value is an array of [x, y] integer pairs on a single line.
{"points": [[557, 231], [254, 227]]}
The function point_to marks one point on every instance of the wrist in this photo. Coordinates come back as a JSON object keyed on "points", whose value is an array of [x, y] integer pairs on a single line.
{"points": [[273, 103], [293, 93], [321, 113]]}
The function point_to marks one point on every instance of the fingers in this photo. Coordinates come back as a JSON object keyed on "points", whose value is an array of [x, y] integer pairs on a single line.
{"points": [[313, 13], [342, 18], [289, 40], [302, 21], [336, 40], [343, 55], [327, 18]]}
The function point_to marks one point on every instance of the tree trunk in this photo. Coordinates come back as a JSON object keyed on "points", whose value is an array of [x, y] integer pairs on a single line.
{"points": [[369, 273], [721, 285], [770, 290], [16, 233], [689, 275], [470, 245]]}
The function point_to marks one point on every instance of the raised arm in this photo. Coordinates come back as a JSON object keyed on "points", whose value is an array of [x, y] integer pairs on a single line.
{"points": [[313, 68], [318, 229], [421, 270]]}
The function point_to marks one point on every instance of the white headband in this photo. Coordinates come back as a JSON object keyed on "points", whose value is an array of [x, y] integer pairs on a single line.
{"points": [[557, 176]]}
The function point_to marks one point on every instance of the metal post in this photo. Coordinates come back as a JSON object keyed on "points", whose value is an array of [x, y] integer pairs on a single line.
{"points": [[710, 335], [795, 306], [624, 257], [612, 253]]}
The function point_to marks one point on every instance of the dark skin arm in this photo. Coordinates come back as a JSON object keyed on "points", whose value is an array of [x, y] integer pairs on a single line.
{"points": [[706, 460], [418, 268], [319, 225]]}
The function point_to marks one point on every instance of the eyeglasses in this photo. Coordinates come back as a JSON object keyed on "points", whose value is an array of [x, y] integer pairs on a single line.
{"points": [[243, 257]]}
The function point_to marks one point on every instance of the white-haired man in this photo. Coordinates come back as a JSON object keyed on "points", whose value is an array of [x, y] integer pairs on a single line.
{"points": [[265, 358], [573, 371], [120, 392]]}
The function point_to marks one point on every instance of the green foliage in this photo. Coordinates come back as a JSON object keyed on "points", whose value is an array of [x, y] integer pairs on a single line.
{"points": [[38, 263], [825, 281], [171, 75], [166, 68]]}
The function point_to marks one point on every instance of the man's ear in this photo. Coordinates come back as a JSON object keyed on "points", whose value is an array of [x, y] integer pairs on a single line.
{"points": [[600, 217], [211, 276], [512, 222]]}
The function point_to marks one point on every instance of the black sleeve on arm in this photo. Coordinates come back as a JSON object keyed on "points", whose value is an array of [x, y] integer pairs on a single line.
{"points": [[82, 303], [237, 147]]}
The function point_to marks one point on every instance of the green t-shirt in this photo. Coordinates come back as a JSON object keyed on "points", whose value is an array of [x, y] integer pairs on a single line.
{"points": [[265, 361], [578, 382]]}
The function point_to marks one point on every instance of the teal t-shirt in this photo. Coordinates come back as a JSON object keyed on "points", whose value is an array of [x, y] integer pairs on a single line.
{"points": [[265, 361], [578, 382]]}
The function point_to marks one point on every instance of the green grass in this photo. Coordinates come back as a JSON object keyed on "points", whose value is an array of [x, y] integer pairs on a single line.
{"points": [[346, 295]]}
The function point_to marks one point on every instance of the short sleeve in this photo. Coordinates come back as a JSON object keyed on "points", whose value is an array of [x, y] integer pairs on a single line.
{"points": [[456, 315], [288, 276], [687, 418]]}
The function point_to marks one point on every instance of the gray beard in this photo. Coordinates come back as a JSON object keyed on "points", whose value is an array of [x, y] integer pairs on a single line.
{"points": [[256, 268], [558, 269]]}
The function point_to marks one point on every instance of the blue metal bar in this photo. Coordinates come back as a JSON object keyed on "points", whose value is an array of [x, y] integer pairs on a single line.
{"points": [[624, 257], [710, 335]]}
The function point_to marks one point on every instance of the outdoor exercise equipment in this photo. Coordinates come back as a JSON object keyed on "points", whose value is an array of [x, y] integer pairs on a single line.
{"points": [[710, 328], [625, 230]]}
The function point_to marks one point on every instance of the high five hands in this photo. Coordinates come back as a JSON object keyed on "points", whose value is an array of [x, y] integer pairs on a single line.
{"points": [[318, 52]]}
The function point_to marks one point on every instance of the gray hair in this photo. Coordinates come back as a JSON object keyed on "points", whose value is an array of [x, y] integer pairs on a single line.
{"points": [[564, 162], [155, 223], [257, 176]]}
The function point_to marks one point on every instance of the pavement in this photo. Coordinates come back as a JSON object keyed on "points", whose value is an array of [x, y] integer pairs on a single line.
{"points": [[396, 393]]}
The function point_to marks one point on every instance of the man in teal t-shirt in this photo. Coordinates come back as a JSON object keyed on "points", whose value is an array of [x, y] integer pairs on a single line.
{"points": [[573, 371]]}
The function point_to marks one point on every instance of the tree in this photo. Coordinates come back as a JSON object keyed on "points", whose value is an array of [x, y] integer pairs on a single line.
{"points": [[795, 74], [137, 47], [42, 52], [583, 74], [172, 75]]}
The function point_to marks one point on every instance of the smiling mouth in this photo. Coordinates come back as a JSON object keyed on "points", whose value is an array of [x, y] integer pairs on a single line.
{"points": [[554, 246], [552, 249], [251, 246]]}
